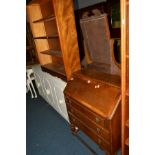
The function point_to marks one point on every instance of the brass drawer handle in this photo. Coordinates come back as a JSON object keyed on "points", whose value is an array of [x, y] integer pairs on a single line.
{"points": [[98, 130], [97, 120]]}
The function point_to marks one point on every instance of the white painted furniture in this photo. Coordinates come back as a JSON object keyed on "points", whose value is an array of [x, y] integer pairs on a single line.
{"points": [[51, 89]]}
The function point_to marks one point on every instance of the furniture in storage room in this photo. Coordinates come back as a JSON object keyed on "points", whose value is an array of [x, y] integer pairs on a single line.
{"points": [[125, 75], [93, 94], [53, 28]]}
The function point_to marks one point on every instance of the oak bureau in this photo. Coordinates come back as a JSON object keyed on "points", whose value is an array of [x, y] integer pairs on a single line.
{"points": [[94, 107]]}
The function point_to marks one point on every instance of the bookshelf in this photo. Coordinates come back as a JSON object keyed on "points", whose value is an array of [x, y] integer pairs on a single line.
{"points": [[54, 33]]}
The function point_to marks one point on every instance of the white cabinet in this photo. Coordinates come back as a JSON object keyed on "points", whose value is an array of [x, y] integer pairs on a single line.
{"points": [[58, 88], [51, 89]]}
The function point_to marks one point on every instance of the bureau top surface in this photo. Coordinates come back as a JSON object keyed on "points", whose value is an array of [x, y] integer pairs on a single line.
{"points": [[101, 98], [98, 77]]}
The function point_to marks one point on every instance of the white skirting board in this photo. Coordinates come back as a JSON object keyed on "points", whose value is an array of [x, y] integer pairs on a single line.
{"points": [[51, 89]]}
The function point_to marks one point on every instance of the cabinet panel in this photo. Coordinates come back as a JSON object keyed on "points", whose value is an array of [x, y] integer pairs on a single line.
{"points": [[49, 92], [50, 86], [99, 130], [59, 87], [56, 87], [38, 83], [90, 133], [51, 89]]}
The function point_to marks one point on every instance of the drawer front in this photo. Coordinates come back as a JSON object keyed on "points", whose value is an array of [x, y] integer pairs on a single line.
{"points": [[96, 128], [101, 142], [92, 116]]}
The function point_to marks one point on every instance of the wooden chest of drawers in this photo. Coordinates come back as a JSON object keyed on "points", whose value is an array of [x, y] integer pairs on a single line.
{"points": [[94, 108]]}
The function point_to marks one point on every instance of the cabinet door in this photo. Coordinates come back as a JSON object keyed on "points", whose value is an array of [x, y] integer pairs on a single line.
{"points": [[39, 83], [39, 78], [49, 87], [59, 88]]}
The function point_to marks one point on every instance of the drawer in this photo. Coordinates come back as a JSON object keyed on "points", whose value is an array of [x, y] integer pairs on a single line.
{"points": [[95, 127], [83, 127], [93, 116]]}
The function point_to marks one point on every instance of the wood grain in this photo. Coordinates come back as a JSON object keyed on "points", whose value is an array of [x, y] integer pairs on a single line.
{"points": [[98, 77], [55, 70], [38, 29], [125, 73], [42, 45], [64, 14], [51, 27], [95, 111], [58, 33], [93, 97]]}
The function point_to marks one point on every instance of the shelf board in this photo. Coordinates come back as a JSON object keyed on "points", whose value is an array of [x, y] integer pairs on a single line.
{"points": [[46, 19], [55, 70], [52, 52], [47, 37]]}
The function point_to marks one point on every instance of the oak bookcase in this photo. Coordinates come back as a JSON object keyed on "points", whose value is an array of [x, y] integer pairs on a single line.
{"points": [[53, 28]]}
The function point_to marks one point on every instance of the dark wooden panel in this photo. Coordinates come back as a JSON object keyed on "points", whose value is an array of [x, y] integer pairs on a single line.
{"points": [[55, 69], [54, 44], [98, 77], [47, 8], [102, 143], [116, 127], [93, 116], [93, 97], [51, 28], [57, 60], [115, 33], [99, 130]]}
